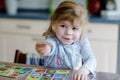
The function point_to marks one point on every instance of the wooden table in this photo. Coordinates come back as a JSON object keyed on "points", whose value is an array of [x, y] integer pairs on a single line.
{"points": [[99, 75], [107, 76]]}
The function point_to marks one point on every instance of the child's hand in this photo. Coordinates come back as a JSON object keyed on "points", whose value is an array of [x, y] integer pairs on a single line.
{"points": [[43, 48], [81, 74]]}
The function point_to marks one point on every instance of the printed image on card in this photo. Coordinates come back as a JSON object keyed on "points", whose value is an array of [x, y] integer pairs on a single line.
{"points": [[51, 71], [34, 76], [62, 71], [25, 70], [4, 73], [60, 75], [1, 65], [45, 78], [40, 70], [8, 66], [18, 68], [48, 75], [14, 75], [58, 78]]}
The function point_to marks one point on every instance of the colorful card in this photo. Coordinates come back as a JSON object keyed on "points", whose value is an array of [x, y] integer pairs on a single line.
{"points": [[60, 75], [4, 73], [40, 70], [51, 71], [36, 74], [62, 71], [25, 70], [45, 78], [1, 65], [32, 78], [18, 68], [58, 78], [14, 75], [48, 75]]}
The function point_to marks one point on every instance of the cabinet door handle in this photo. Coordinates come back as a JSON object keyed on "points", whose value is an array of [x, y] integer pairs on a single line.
{"points": [[23, 26]]}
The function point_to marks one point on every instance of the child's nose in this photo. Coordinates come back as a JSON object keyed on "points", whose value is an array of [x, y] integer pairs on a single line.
{"points": [[68, 32]]}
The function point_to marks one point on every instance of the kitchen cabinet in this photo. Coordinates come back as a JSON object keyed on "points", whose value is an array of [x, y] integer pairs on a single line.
{"points": [[1, 47], [19, 34], [103, 38], [8, 44]]}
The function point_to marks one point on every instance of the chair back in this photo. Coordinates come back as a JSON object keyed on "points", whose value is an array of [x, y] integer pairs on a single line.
{"points": [[20, 57], [28, 58]]}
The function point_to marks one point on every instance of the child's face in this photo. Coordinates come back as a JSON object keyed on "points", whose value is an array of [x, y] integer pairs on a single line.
{"points": [[68, 33]]}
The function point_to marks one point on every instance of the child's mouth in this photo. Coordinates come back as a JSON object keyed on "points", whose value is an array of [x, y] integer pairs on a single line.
{"points": [[67, 38]]}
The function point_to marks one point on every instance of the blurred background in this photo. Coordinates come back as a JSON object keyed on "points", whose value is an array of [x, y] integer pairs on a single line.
{"points": [[95, 7], [21, 21]]}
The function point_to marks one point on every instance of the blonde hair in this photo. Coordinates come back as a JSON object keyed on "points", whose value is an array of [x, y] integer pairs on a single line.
{"points": [[67, 10]]}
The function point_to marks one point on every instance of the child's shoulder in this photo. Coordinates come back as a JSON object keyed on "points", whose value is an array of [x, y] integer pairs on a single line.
{"points": [[50, 37], [84, 40]]}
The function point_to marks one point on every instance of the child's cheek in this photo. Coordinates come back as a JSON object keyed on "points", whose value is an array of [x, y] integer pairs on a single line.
{"points": [[76, 38]]}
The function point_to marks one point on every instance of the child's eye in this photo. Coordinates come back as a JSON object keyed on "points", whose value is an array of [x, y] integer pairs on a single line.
{"points": [[62, 26], [74, 28]]}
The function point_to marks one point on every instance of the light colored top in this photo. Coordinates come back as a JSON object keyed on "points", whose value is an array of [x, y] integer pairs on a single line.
{"points": [[70, 56]]}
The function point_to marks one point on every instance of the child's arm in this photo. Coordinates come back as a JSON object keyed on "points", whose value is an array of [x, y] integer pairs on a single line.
{"points": [[88, 57]]}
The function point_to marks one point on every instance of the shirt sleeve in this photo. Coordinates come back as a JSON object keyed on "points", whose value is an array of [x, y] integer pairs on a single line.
{"points": [[52, 42], [89, 59]]}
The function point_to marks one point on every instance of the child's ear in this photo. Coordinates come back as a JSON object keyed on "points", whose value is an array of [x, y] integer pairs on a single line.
{"points": [[53, 28]]}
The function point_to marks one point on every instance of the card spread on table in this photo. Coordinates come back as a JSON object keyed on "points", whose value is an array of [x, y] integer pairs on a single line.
{"points": [[13, 71], [48, 74], [33, 73]]}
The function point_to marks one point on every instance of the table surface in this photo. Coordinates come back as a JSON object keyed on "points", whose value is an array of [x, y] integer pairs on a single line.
{"points": [[99, 75]]}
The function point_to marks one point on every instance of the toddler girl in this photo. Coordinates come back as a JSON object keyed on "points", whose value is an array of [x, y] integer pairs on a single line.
{"points": [[69, 47]]}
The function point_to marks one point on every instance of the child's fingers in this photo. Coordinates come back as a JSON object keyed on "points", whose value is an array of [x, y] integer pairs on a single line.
{"points": [[76, 75], [41, 45], [79, 76], [41, 48]]}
